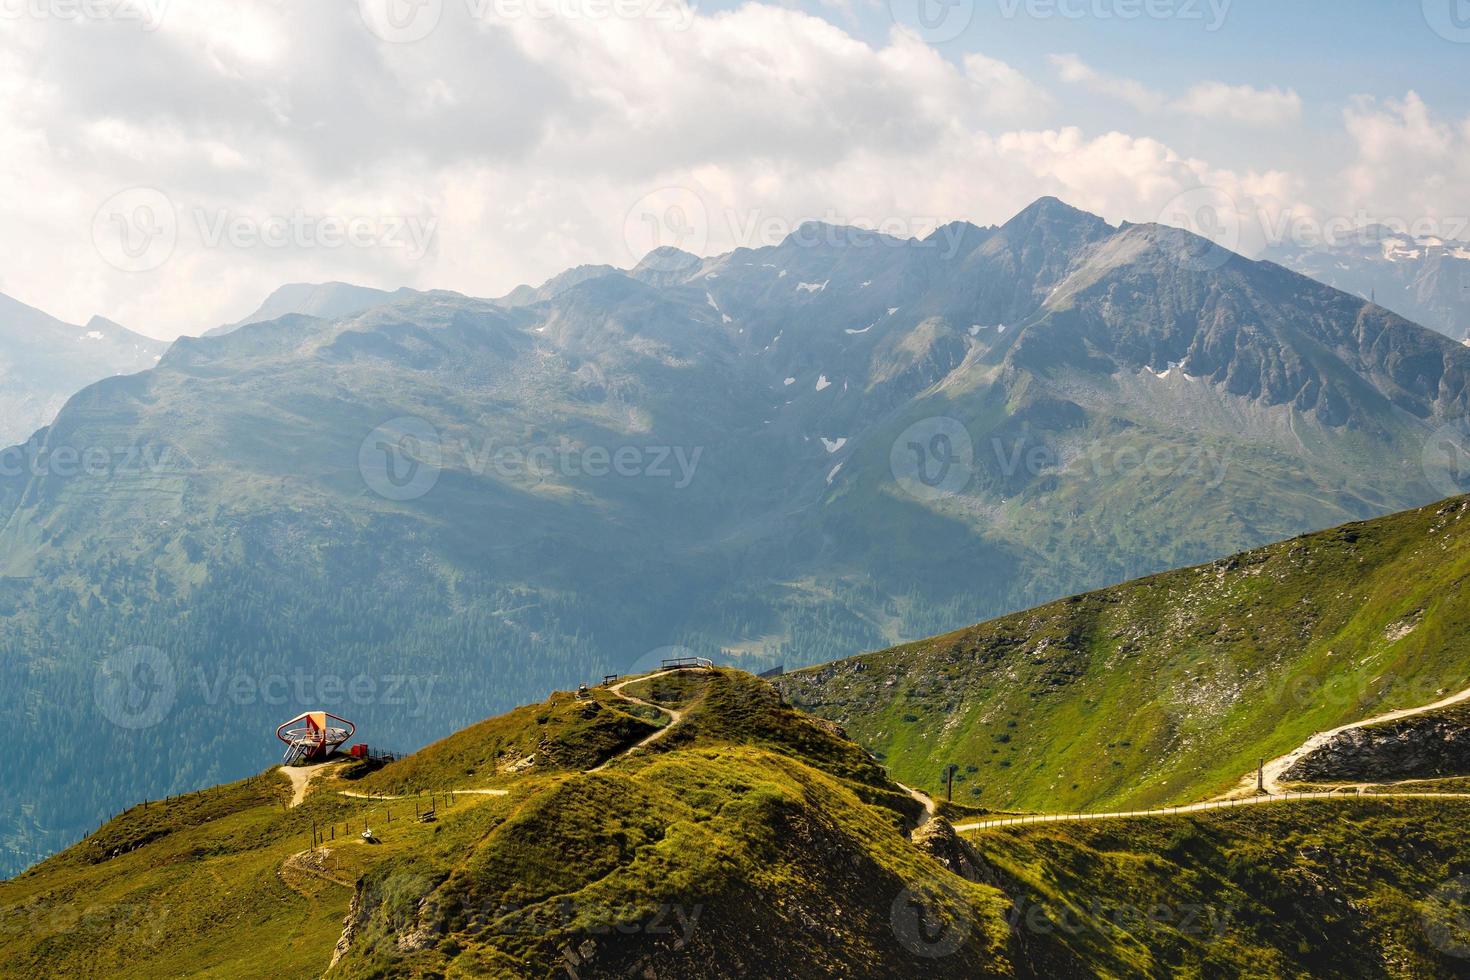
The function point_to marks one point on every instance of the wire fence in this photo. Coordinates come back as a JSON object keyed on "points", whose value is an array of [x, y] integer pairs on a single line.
{"points": [[1032, 819]]}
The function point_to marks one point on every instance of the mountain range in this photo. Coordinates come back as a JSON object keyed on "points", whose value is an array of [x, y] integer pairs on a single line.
{"points": [[420, 508]]}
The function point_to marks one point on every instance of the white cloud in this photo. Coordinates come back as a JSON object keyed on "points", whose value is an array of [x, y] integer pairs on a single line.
{"points": [[1241, 104], [530, 140], [1409, 161], [1004, 92], [1074, 70], [1218, 101]]}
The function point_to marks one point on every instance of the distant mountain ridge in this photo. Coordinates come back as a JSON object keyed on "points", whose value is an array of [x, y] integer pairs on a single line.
{"points": [[783, 454], [326, 300], [44, 361], [1424, 278]]}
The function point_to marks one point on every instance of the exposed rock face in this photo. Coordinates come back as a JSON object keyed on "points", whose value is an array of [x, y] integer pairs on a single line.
{"points": [[1422, 747], [350, 925], [938, 839]]}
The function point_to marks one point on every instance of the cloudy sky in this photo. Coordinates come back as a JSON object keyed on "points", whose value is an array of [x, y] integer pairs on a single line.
{"points": [[168, 163]]}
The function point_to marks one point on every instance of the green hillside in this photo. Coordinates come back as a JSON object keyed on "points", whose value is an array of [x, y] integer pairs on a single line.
{"points": [[1170, 688], [747, 839]]}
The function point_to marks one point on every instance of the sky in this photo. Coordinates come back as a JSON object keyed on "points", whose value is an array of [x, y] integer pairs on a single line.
{"points": [[168, 163]]}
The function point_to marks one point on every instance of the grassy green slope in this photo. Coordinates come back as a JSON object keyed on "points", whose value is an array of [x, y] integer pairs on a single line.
{"points": [[563, 734], [1170, 688], [752, 840], [191, 886], [758, 822], [1341, 889]]}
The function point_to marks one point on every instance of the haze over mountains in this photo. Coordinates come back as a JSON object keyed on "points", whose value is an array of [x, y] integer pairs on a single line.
{"points": [[44, 361], [324, 300], [1425, 278], [790, 453]]}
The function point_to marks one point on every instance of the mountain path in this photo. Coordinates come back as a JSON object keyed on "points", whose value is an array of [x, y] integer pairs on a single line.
{"points": [[1200, 807], [1275, 768], [301, 778], [1246, 793], [675, 717], [410, 796], [930, 808]]}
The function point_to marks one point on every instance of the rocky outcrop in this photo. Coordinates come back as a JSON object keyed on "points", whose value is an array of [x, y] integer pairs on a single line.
{"points": [[1422, 747], [938, 839]]}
